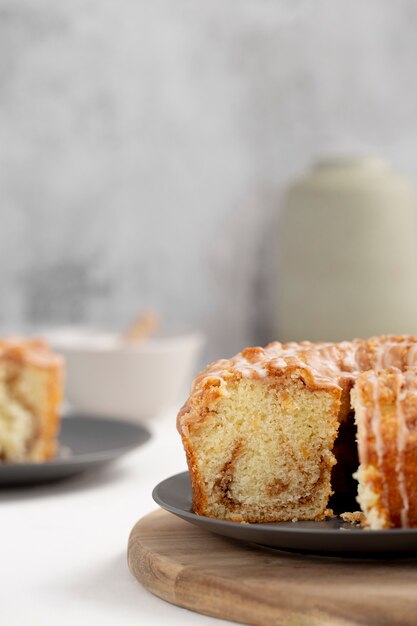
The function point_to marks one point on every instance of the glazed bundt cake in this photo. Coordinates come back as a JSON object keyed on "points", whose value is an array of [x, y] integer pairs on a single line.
{"points": [[270, 434], [30, 395]]}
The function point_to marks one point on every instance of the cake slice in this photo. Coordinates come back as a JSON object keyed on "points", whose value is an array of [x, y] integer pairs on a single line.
{"points": [[259, 437], [385, 404], [30, 395]]}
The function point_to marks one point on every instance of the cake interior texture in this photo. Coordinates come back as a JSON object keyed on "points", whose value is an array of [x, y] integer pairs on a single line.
{"points": [[265, 448], [269, 436], [30, 394]]}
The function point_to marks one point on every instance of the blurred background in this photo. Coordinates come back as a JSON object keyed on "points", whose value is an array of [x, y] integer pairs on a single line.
{"points": [[145, 148]]}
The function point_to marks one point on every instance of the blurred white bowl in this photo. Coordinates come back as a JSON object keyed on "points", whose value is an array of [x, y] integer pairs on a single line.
{"points": [[107, 377]]}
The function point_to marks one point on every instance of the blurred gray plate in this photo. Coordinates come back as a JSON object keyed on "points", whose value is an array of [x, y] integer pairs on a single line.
{"points": [[332, 537], [84, 443]]}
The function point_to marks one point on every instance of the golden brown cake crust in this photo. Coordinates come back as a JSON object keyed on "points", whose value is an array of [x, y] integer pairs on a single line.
{"points": [[34, 350]]}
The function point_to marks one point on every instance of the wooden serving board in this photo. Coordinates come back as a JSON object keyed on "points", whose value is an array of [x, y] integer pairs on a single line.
{"points": [[191, 568]]}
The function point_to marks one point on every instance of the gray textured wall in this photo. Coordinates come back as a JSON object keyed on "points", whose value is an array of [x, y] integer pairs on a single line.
{"points": [[144, 146]]}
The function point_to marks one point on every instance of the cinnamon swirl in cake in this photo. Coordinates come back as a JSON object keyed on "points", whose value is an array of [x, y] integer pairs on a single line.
{"points": [[270, 433], [30, 394]]}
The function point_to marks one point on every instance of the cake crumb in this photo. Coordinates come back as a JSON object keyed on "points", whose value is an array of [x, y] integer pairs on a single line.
{"points": [[357, 518]]}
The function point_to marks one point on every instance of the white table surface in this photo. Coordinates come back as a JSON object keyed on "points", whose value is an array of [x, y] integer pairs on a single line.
{"points": [[63, 546]]}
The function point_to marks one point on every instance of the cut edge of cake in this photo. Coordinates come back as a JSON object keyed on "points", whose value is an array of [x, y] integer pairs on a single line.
{"points": [[232, 432], [31, 381]]}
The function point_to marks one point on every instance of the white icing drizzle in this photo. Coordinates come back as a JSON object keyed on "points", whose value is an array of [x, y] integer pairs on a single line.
{"points": [[381, 356], [361, 436], [376, 429], [349, 359], [402, 433], [412, 355], [279, 362], [326, 363], [246, 368], [388, 354], [400, 353]]}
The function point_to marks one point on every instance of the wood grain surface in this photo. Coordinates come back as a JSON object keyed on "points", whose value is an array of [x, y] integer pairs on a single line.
{"points": [[189, 567]]}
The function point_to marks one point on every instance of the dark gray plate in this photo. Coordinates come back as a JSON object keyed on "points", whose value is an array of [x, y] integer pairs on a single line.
{"points": [[332, 537], [85, 443]]}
